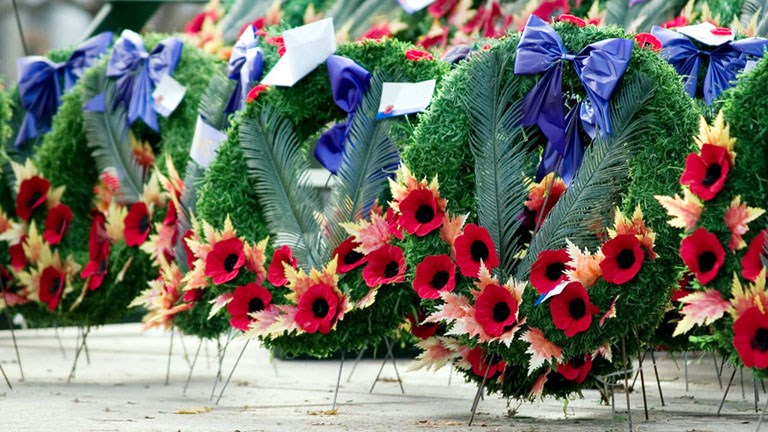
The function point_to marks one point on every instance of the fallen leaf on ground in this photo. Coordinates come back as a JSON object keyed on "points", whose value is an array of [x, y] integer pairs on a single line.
{"points": [[201, 410]]}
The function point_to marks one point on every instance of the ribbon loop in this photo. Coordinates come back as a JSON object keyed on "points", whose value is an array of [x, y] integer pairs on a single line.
{"points": [[246, 65], [40, 84]]}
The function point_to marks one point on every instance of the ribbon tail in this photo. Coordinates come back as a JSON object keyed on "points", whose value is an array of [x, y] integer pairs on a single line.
{"points": [[236, 98], [27, 130], [141, 105], [574, 147], [543, 106], [329, 149], [97, 104]]}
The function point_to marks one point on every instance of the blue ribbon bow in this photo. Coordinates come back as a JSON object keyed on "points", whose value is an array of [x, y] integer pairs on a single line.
{"points": [[40, 84], [137, 73], [725, 61], [580, 117], [599, 66], [349, 82], [246, 65]]}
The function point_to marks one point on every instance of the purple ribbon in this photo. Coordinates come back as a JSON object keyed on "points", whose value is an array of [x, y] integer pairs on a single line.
{"points": [[40, 84], [136, 74], [246, 65], [599, 66], [580, 117], [725, 61], [349, 82]]}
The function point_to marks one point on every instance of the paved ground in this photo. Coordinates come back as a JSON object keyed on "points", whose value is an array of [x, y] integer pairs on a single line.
{"points": [[123, 390]]}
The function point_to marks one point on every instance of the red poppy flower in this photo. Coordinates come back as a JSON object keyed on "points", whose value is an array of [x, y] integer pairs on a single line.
{"points": [[422, 331], [246, 300], [440, 8], [393, 224], [224, 261], [479, 360], [349, 259], [751, 263], [549, 270], [18, 258], [473, 246], [98, 233], [417, 55], [576, 369], [376, 32], [195, 25], [571, 310], [279, 42], [679, 21], [420, 213], [436, 274], [623, 259], [572, 19], [171, 215], [703, 254], [750, 337], [385, 265], [548, 8], [193, 295], [255, 92], [317, 309], [32, 194], [137, 224], [495, 310], [187, 251], [97, 266], [683, 288], [56, 223], [276, 271], [51, 287], [706, 173], [648, 40]]}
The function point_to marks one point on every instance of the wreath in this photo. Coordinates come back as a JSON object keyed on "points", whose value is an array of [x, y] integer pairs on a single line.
{"points": [[721, 212], [102, 171], [294, 117], [441, 147]]}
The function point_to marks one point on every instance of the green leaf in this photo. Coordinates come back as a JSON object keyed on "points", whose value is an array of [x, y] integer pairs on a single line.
{"points": [[188, 202], [594, 191], [499, 151], [277, 162], [369, 157], [641, 17], [215, 99], [752, 8], [107, 135]]}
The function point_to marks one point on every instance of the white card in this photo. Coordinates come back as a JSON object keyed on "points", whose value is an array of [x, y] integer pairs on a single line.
{"points": [[205, 142], [411, 6], [750, 65], [703, 33], [405, 98], [306, 47], [553, 292], [168, 95]]}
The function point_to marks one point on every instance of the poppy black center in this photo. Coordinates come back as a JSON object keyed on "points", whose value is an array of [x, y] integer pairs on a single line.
{"points": [[34, 198], [352, 257], [54, 288], [501, 312], [425, 214], [713, 174], [625, 259], [320, 308], [478, 250], [439, 279], [230, 261], [578, 362], [257, 305], [103, 267], [577, 308], [706, 261], [144, 224], [760, 341], [391, 269], [555, 271], [61, 226]]}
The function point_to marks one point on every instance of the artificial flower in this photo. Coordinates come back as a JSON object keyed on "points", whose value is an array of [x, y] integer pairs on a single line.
{"points": [[750, 337], [496, 310], [623, 259], [421, 212], [718, 135], [636, 227], [385, 265], [56, 223], [577, 369], [418, 55], [32, 194], [97, 266], [543, 196], [475, 246], [421, 331], [752, 261], [223, 262], [247, 299], [255, 92], [52, 282], [483, 365], [648, 40], [571, 310], [706, 173], [276, 273], [318, 308], [349, 258], [549, 269], [685, 212], [540, 348], [440, 8], [586, 266], [580, 22], [435, 274], [137, 224], [703, 254], [376, 32], [701, 308], [737, 218], [678, 21]]}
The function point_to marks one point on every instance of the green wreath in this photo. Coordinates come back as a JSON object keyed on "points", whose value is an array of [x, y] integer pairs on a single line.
{"points": [[441, 146], [65, 159], [306, 107]]}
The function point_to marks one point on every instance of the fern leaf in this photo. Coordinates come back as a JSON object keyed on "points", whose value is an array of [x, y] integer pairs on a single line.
{"points": [[587, 203], [369, 157], [277, 162], [107, 136], [215, 99], [187, 208], [499, 150]]}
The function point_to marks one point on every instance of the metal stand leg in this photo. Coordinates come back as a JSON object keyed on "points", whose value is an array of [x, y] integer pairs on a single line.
{"points": [[80, 346], [450, 375], [642, 383], [10, 325], [762, 416], [338, 382], [626, 384], [233, 370], [394, 363], [686, 371], [7, 381], [741, 379], [757, 393], [674, 360], [354, 365], [58, 338], [192, 367], [170, 353], [717, 372], [480, 389], [658, 381], [222, 353], [730, 381]]}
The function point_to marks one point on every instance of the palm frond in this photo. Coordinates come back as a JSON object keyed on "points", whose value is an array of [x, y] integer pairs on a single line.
{"points": [[215, 99], [497, 143], [277, 162], [588, 201], [369, 158], [758, 10], [188, 207], [107, 136], [640, 17]]}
